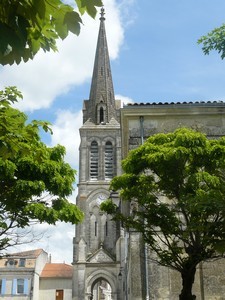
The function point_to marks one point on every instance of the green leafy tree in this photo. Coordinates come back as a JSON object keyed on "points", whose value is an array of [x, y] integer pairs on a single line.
{"points": [[35, 181], [214, 40], [176, 185], [26, 26]]}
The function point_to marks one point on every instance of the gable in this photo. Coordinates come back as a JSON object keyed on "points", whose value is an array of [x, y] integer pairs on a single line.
{"points": [[100, 257]]}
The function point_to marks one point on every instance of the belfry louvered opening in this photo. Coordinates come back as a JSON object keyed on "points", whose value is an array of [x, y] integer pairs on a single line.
{"points": [[94, 158], [101, 112], [109, 161]]}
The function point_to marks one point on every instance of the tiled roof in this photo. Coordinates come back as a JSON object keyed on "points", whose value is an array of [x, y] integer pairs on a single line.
{"points": [[53, 270], [27, 254], [175, 103]]}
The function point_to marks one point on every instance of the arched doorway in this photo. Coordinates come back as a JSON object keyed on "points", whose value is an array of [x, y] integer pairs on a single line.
{"points": [[101, 290], [102, 285]]}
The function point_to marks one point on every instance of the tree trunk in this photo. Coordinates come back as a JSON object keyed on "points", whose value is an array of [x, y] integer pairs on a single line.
{"points": [[188, 277]]}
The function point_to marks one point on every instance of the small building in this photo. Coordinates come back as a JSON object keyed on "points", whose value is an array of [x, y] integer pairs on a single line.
{"points": [[19, 274], [31, 275], [56, 282]]}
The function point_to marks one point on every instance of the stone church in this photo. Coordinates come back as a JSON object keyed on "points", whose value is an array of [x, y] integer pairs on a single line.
{"points": [[109, 261]]}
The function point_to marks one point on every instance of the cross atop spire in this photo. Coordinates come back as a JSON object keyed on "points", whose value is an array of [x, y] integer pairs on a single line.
{"points": [[101, 104], [102, 13]]}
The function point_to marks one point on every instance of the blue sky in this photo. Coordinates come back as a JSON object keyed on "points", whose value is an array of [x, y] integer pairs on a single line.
{"points": [[154, 57]]}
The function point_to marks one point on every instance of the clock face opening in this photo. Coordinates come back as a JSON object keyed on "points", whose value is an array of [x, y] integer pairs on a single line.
{"points": [[100, 198]]}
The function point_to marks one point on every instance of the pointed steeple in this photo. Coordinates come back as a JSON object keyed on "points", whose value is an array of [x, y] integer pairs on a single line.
{"points": [[102, 107]]}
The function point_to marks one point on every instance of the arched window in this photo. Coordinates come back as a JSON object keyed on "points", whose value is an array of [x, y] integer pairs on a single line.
{"points": [[106, 228], [94, 161], [109, 160], [101, 115], [96, 228]]}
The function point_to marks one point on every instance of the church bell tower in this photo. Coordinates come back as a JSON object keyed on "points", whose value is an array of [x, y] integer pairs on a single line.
{"points": [[99, 241]]}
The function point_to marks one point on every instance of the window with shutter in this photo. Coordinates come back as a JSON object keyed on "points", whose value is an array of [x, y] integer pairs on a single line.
{"points": [[20, 286], [3, 286], [14, 287], [26, 286]]}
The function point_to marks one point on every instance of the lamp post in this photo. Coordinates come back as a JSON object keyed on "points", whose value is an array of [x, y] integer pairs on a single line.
{"points": [[120, 284]]}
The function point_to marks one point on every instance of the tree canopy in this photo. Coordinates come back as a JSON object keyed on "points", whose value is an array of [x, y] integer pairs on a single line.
{"points": [[27, 26], [214, 40], [175, 185], [35, 181]]}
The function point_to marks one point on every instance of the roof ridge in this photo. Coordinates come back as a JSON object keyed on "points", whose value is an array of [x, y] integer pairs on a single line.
{"points": [[175, 103]]}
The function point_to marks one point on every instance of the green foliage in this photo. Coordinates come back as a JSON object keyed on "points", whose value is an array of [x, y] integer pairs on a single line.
{"points": [[214, 40], [34, 179], [109, 206], [88, 6], [27, 26], [175, 185]]}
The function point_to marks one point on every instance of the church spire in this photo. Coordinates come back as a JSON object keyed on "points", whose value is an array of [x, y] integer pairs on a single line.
{"points": [[102, 106]]}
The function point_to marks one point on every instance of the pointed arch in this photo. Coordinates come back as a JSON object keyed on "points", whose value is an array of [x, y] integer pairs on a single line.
{"points": [[101, 115], [93, 239], [105, 275]]}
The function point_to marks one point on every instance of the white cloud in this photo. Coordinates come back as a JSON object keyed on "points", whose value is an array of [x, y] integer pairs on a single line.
{"points": [[51, 74], [56, 240], [66, 133], [124, 99], [130, 10]]}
